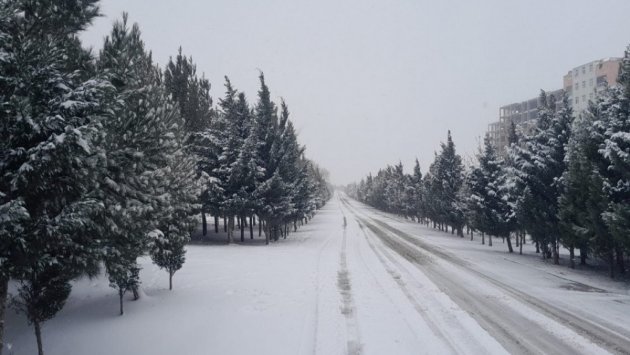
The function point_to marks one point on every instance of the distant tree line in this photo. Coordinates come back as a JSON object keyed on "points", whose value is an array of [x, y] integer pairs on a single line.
{"points": [[565, 182], [105, 158]]}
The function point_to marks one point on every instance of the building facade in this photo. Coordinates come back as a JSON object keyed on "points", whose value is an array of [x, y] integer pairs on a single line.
{"points": [[581, 85]]}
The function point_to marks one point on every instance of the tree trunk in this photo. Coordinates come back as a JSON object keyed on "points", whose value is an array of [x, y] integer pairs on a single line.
{"points": [[38, 335], [267, 232], [556, 252], [520, 247], [583, 255], [517, 239], [120, 298], [483, 238], [242, 229], [260, 225], [216, 224], [620, 262], [230, 229], [4, 287], [204, 223], [295, 225], [509, 242], [170, 280], [136, 295], [537, 247], [472, 234], [489, 239], [225, 224], [251, 227], [571, 257], [611, 263], [460, 232], [253, 220]]}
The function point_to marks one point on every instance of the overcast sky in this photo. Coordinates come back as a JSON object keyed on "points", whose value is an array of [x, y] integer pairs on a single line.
{"points": [[375, 82]]}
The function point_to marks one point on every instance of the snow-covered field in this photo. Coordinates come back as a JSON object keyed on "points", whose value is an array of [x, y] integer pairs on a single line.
{"points": [[378, 286]]}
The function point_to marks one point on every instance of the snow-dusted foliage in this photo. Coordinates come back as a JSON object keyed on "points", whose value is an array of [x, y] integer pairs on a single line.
{"points": [[257, 167], [103, 160], [51, 101]]}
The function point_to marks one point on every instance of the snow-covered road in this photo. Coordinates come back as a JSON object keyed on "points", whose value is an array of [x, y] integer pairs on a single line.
{"points": [[379, 285]]}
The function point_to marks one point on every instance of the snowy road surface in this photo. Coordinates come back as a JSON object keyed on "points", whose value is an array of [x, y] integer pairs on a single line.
{"points": [[381, 285]]}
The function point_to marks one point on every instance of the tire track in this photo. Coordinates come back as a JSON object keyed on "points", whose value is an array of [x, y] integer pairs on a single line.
{"points": [[608, 337], [496, 318], [344, 286], [382, 256]]}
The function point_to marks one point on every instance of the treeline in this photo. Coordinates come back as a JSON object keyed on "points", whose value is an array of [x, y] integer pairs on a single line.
{"points": [[105, 158], [564, 182]]}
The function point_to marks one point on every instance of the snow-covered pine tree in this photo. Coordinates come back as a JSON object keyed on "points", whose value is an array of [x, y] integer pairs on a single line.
{"points": [[50, 103], [492, 212], [245, 172], [289, 163], [575, 223], [273, 202], [417, 192], [141, 135], [191, 93], [450, 177], [540, 165], [178, 212]]}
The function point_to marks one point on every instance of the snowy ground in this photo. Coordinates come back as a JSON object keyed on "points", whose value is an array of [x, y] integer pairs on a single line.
{"points": [[379, 286]]}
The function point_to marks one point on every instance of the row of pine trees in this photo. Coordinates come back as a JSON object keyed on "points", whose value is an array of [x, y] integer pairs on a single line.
{"points": [[106, 158], [563, 182]]}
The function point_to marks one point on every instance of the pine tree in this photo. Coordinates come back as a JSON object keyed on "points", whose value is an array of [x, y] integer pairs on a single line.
{"points": [[492, 212], [50, 104], [191, 94], [450, 177], [540, 166], [141, 138], [418, 192]]}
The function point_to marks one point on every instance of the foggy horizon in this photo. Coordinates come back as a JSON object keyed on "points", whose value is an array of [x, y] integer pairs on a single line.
{"points": [[369, 83]]}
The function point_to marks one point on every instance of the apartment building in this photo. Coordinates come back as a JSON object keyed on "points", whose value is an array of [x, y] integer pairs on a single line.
{"points": [[581, 84]]}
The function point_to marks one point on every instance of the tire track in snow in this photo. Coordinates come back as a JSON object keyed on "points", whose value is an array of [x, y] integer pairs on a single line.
{"points": [[607, 337], [344, 286], [316, 300], [381, 255], [484, 311]]}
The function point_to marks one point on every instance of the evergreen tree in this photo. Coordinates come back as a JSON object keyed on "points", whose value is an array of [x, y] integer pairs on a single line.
{"points": [[50, 104], [488, 197], [540, 167], [141, 137], [450, 176]]}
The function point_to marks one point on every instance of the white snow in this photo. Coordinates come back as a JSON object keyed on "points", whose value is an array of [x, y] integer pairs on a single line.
{"points": [[324, 290]]}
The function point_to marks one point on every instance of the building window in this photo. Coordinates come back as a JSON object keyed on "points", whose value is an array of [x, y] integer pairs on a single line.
{"points": [[583, 70], [583, 84], [590, 67], [575, 72]]}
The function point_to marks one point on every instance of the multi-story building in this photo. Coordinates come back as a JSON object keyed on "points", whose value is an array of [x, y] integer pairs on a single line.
{"points": [[581, 84], [523, 114]]}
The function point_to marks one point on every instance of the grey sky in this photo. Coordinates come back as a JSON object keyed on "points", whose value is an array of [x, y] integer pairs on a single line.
{"points": [[373, 82]]}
